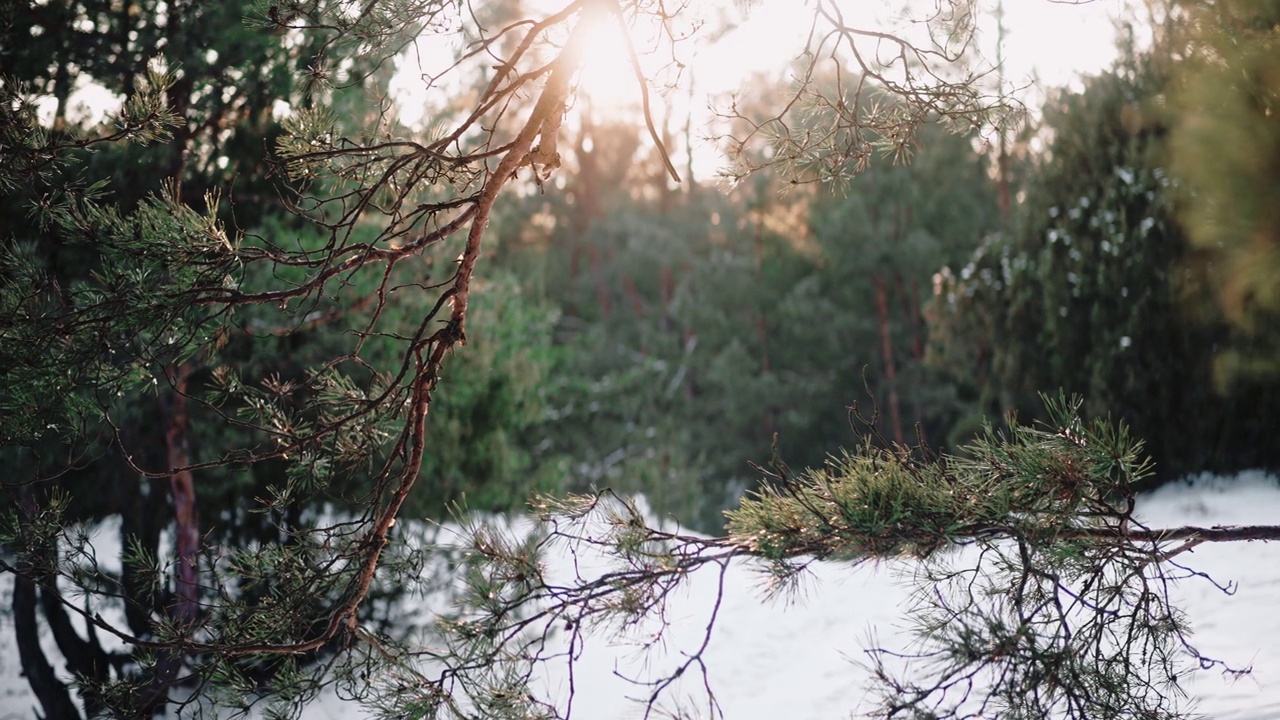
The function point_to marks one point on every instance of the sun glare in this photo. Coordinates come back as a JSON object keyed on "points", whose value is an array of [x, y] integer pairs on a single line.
{"points": [[1044, 44], [607, 79]]}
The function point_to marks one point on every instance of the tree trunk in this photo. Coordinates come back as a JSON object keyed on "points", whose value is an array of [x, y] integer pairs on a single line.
{"points": [[886, 349], [182, 491], [85, 658], [911, 306], [184, 609]]}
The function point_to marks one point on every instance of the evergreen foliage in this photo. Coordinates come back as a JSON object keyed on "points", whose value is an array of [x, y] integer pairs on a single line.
{"points": [[1057, 616], [1224, 141], [1097, 284], [1038, 593], [699, 330]]}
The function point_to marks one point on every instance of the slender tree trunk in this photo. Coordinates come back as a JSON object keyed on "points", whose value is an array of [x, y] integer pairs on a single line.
{"points": [[184, 608], [911, 306], [886, 349], [61, 91], [182, 492], [54, 697], [85, 657]]}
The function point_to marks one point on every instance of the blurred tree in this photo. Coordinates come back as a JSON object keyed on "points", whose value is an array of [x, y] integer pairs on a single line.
{"points": [[1224, 149], [699, 329], [1098, 288], [1086, 291], [882, 240]]}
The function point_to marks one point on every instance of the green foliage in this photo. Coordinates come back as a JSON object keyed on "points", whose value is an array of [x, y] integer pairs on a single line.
{"points": [[699, 329], [479, 443], [186, 363], [1038, 484], [69, 351], [1096, 288], [289, 372], [267, 376], [1037, 594], [1053, 582], [1224, 146]]}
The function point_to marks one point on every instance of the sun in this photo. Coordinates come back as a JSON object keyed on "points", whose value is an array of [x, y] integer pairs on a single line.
{"points": [[607, 79]]}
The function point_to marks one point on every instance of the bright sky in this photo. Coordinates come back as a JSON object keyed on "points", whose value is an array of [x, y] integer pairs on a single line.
{"points": [[1047, 43], [1055, 40], [1050, 41]]}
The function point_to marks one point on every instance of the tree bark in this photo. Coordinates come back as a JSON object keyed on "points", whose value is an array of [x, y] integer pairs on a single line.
{"points": [[182, 491], [886, 350], [184, 609]]}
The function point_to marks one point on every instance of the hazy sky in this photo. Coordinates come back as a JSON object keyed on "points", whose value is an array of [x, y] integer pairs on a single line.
{"points": [[1045, 41], [1054, 40]]}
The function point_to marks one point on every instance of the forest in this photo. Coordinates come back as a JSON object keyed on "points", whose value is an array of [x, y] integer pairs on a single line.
{"points": [[283, 337]]}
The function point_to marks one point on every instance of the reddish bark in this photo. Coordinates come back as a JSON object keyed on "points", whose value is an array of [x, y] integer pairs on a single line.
{"points": [[911, 307], [886, 349], [633, 296], [182, 491]]}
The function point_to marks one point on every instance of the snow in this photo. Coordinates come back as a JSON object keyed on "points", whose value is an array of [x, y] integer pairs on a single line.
{"points": [[1241, 628], [798, 658]]}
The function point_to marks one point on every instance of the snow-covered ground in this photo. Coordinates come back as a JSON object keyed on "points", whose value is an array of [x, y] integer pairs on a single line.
{"points": [[798, 659]]}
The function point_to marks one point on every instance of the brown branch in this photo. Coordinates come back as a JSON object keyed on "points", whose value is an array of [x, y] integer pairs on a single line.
{"points": [[644, 91], [412, 439], [368, 256], [1217, 533], [317, 319]]}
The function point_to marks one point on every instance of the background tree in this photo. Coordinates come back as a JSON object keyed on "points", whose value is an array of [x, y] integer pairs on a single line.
{"points": [[699, 329], [1098, 284], [1224, 139]]}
